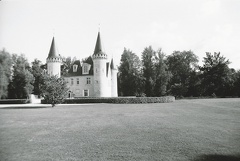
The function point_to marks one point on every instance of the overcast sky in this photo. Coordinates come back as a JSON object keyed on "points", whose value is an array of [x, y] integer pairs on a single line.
{"points": [[27, 26]]}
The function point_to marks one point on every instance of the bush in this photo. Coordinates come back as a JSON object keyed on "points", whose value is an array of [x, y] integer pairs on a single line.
{"points": [[14, 101], [119, 100]]}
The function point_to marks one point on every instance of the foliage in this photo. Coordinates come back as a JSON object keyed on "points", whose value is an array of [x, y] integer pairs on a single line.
{"points": [[54, 90], [181, 65], [215, 74], [148, 59], [237, 84], [130, 74], [14, 101], [155, 72], [5, 72], [21, 85], [162, 74], [122, 100], [37, 72]]}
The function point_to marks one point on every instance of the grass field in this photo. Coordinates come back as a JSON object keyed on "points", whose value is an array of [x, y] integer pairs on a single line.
{"points": [[195, 130]]}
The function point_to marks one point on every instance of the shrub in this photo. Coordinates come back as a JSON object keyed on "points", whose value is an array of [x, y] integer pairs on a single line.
{"points": [[14, 101], [119, 100]]}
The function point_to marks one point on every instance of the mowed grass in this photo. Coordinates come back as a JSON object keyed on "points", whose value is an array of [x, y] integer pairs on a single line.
{"points": [[196, 130]]}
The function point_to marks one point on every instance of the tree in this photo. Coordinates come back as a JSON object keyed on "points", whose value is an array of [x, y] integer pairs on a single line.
{"points": [[54, 90], [215, 74], [21, 84], [181, 65], [237, 83], [37, 72], [161, 73], [130, 74], [148, 60], [5, 72]]}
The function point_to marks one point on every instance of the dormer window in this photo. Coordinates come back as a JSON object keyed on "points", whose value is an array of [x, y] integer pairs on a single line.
{"points": [[75, 66], [85, 68]]}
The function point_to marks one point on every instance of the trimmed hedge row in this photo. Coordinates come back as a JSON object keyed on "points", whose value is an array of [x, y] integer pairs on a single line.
{"points": [[120, 100], [14, 101]]}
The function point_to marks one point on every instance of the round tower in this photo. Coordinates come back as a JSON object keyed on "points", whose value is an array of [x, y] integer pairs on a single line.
{"points": [[114, 86], [100, 70], [53, 61]]}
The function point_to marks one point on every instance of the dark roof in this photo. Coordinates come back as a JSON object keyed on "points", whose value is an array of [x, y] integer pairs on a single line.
{"points": [[98, 46], [52, 53], [79, 70]]}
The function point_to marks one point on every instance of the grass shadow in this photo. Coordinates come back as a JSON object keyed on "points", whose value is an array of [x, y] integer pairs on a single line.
{"points": [[216, 157]]}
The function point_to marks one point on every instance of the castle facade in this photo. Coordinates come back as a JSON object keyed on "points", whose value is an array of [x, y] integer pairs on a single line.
{"points": [[95, 78]]}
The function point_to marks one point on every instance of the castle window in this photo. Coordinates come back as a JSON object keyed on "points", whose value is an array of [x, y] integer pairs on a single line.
{"points": [[75, 68], [77, 81], [85, 68], [71, 81], [88, 80], [85, 93]]}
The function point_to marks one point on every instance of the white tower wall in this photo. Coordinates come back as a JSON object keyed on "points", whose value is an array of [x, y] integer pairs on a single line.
{"points": [[114, 87], [54, 67], [100, 79]]}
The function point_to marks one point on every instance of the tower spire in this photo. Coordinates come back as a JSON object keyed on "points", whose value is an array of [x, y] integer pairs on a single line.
{"points": [[98, 47], [52, 52]]}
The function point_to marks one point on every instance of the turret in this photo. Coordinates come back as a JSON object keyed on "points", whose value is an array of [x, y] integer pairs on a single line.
{"points": [[100, 70], [53, 61], [114, 87]]}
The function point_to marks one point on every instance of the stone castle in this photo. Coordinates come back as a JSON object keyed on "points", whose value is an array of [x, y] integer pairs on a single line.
{"points": [[97, 78]]}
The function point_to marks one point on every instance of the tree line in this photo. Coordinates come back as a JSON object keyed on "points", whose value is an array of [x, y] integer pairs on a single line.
{"points": [[178, 74], [154, 74]]}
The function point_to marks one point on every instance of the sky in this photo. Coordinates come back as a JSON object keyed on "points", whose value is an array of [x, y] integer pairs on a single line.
{"points": [[27, 26]]}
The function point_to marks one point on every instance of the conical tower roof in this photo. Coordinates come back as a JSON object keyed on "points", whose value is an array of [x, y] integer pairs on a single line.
{"points": [[52, 53], [98, 51], [98, 46]]}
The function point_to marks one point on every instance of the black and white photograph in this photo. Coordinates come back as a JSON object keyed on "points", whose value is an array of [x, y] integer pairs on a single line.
{"points": [[120, 80]]}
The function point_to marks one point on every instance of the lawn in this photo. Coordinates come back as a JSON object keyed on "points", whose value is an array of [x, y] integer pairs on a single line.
{"points": [[195, 130]]}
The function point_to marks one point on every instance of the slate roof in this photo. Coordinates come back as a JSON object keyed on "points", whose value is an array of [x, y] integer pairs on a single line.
{"points": [[79, 70], [52, 52], [98, 47]]}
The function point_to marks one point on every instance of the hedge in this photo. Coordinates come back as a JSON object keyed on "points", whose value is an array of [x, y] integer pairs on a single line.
{"points": [[14, 101], [119, 100]]}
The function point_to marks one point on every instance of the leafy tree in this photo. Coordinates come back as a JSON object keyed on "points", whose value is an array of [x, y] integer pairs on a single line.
{"points": [[194, 84], [161, 73], [237, 83], [37, 72], [215, 74], [148, 59], [5, 72], [54, 90], [181, 65], [22, 80], [130, 74]]}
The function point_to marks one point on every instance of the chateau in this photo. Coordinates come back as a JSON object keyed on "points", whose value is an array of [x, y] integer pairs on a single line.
{"points": [[97, 78]]}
